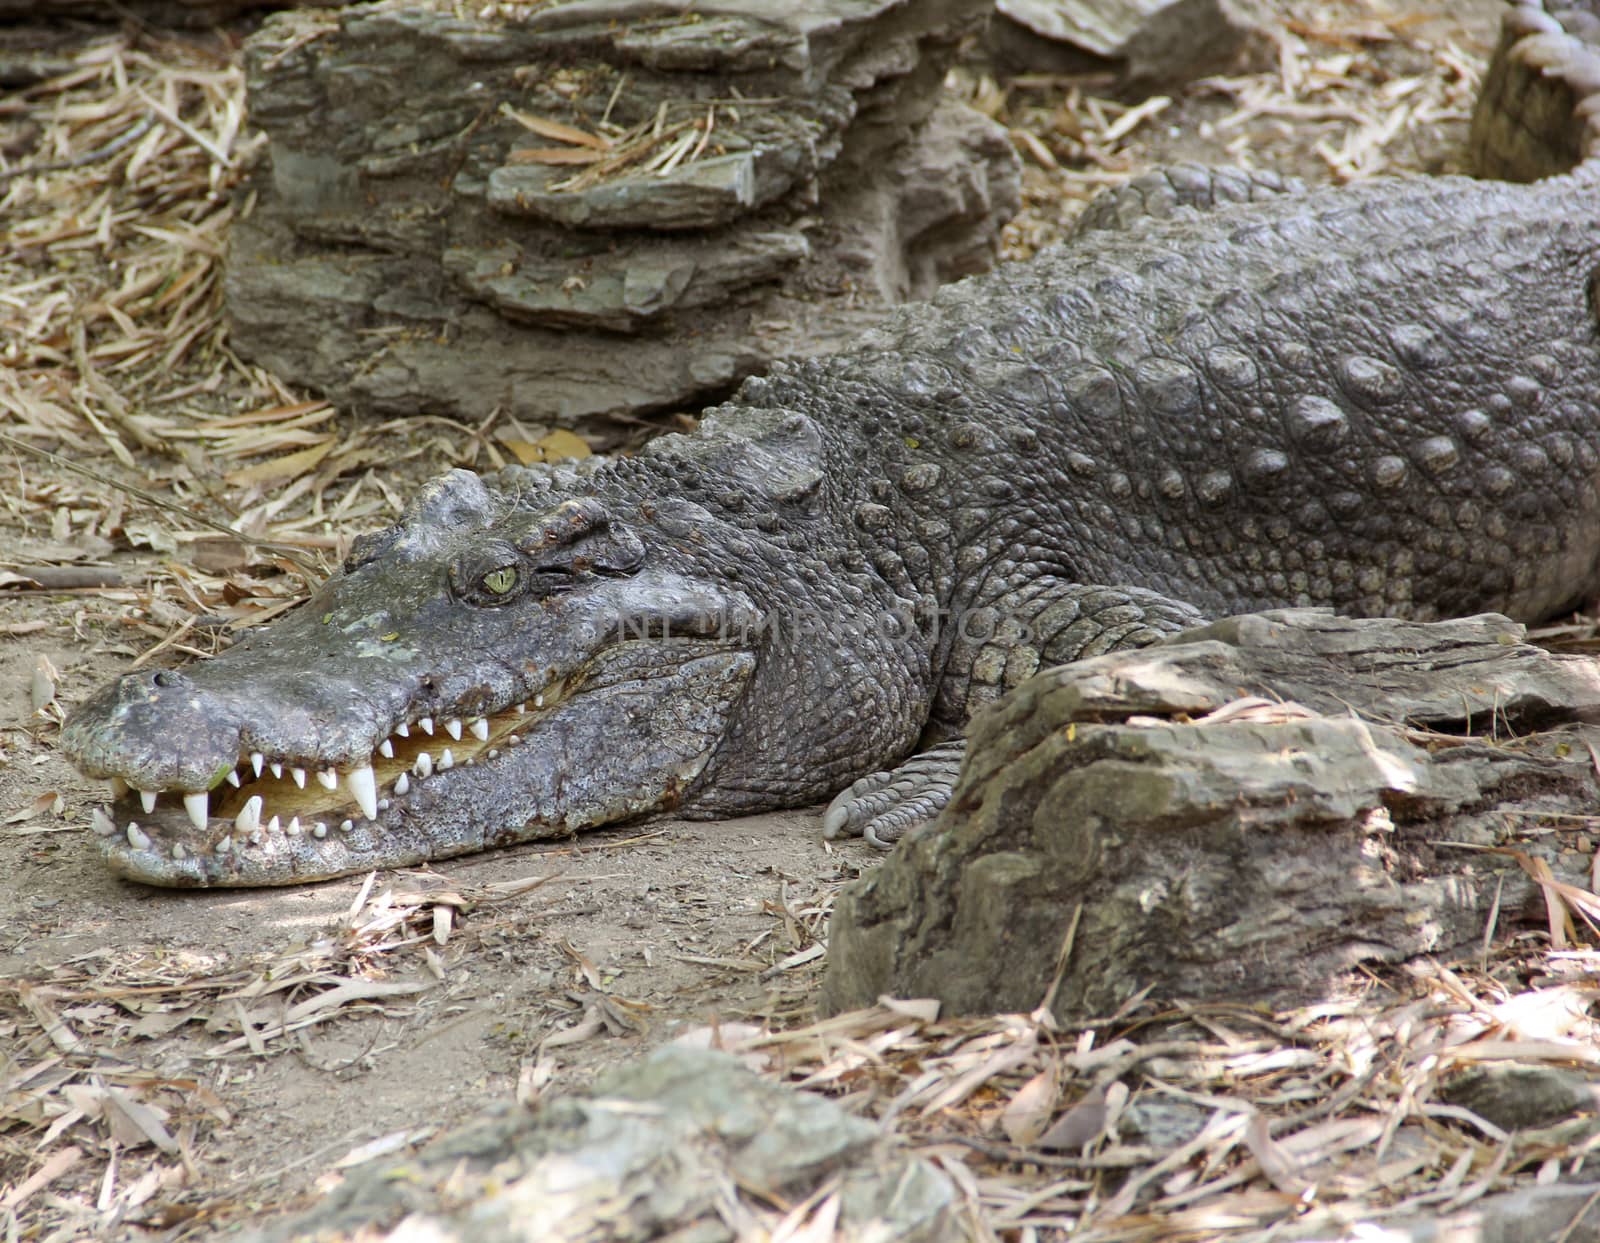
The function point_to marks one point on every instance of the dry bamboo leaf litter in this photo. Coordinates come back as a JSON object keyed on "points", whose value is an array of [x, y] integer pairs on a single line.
{"points": [[68, 1085]]}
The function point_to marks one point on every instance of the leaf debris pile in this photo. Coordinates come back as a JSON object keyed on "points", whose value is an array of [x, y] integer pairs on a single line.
{"points": [[1227, 1122]]}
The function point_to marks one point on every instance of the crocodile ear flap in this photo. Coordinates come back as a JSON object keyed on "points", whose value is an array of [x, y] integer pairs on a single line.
{"points": [[773, 453]]}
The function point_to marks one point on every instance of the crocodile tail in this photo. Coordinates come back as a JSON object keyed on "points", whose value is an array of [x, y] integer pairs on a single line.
{"points": [[1538, 112]]}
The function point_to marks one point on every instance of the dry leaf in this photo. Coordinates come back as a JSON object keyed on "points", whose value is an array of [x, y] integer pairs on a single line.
{"points": [[1028, 1112], [554, 155], [546, 128], [1080, 1125], [285, 467], [557, 446]]}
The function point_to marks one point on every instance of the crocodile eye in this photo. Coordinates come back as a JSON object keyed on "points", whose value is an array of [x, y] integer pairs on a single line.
{"points": [[500, 581]]}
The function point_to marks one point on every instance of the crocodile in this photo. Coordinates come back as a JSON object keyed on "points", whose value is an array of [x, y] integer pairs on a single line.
{"points": [[1227, 394]]}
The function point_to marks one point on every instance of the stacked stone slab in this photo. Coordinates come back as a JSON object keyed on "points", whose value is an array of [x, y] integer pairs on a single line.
{"points": [[412, 249]]}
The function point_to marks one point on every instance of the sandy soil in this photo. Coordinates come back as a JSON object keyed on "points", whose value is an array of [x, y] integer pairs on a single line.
{"points": [[644, 929]]}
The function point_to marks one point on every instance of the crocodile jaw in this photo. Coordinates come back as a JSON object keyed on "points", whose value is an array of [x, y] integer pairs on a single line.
{"points": [[441, 786]]}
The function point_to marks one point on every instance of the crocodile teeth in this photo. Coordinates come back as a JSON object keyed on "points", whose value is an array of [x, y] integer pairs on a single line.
{"points": [[363, 784], [424, 764], [299, 775], [137, 837], [224, 845], [319, 829], [199, 808], [294, 827], [494, 753], [386, 749], [147, 799], [277, 769], [101, 823], [446, 760], [522, 709], [346, 825], [178, 852], [480, 730], [273, 826], [403, 730], [425, 724], [453, 728], [514, 740], [256, 761], [249, 817], [538, 700], [233, 779], [328, 778], [402, 784]]}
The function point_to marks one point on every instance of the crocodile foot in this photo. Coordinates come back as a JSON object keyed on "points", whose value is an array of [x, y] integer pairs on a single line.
{"points": [[884, 807]]}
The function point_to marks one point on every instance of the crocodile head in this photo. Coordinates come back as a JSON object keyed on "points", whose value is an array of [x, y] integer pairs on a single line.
{"points": [[515, 659]]}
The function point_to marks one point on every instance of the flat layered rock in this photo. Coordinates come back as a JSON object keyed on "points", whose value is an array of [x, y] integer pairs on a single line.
{"points": [[535, 210], [1130, 811]]}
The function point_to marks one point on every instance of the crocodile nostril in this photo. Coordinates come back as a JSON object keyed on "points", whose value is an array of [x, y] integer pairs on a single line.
{"points": [[163, 678]]}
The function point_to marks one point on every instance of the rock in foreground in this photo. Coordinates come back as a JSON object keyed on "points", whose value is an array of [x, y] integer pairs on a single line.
{"points": [[686, 1144], [1208, 852]]}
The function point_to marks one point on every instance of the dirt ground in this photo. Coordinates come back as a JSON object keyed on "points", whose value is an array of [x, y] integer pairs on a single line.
{"points": [[144, 1028]]}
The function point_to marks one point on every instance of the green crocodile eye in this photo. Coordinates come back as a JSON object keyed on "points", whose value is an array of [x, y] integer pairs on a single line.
{"points": [[500, 581]]}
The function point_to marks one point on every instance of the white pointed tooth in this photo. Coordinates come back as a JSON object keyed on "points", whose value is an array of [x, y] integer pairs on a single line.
{"points": [[383, 804], [538, 700], [224, 845], [346, 825], [101, 823], [386, 749], [514, 740], [522, 708], [320, 829], [199, 808], [364, 785], [273, 826], [328, 778], [453, 728], [425, 724], [480, 730], [178, 852], [447, 760], [294, 827], [402, 784], [403, 730], [277, 769], [494, 753], [255, 838], [424, 765], [233, 779], [256, 761], [299, 775], [147, 799], [249, 818], [137, 837]]}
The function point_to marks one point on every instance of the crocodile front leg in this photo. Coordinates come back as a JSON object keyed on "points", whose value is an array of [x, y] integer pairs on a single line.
{"points": [[1048, 622]]}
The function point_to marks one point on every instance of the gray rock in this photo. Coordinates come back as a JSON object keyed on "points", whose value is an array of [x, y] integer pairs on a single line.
{"points": [[1145, 41], [683, 1144], [1251, 856], [413, 249], [1518, 1098]]}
